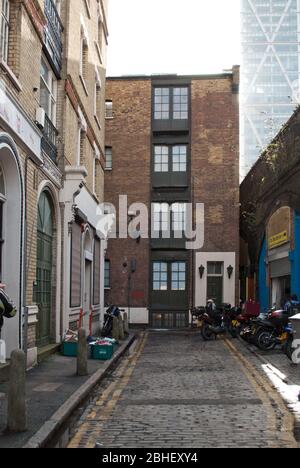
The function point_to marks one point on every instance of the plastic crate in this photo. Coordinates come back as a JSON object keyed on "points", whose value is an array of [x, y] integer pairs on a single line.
{"points": [[69, 349], [102, 353]]}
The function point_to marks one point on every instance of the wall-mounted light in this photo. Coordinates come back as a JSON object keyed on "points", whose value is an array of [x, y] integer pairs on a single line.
{"points": [[201, 271], [230, 270]]}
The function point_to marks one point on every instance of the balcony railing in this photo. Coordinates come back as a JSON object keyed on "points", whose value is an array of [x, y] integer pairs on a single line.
{"points": [[52, 38], [49, 139]]}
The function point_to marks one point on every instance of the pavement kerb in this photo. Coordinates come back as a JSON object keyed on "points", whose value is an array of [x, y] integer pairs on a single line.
{"points": [[54, 424], [286, 381]]}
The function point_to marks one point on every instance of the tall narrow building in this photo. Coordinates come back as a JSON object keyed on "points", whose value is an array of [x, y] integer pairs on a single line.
{"points": [[172, 145], [269, 74]]}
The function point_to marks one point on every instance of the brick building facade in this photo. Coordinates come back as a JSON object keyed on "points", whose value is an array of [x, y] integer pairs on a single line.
{"points": [[270, 221], [172, 141], [52, 95]]}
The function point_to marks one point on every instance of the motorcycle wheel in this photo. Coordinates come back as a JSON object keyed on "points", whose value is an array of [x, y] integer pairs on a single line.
{"points": [[265, 341], [107, 329], [207, 333], [234, 332]]}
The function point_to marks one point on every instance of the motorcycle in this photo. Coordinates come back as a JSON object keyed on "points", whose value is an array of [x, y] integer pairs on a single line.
{"points": [[217, 321], [273, 331], [112, 311]]}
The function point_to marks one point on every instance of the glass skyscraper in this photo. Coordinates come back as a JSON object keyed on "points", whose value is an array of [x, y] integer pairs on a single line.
{"points": [[269, 74]]}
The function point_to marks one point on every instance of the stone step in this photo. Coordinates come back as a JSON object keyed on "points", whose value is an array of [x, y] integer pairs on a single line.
{"points": [[4, 372], [47, 351]]}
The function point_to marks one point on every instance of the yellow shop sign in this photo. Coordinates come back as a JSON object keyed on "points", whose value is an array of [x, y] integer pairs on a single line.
{"points": [[278, 239]]}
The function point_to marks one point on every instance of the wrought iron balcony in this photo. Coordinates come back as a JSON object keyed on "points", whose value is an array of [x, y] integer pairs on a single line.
{"points": [[52, 37], [49, 139]]}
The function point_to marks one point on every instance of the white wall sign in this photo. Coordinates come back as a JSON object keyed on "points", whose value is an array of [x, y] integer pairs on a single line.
{"points": [[20, 125]]}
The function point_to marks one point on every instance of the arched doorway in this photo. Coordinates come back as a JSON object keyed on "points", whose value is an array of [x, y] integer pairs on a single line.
{"points": [[2, 202], [45, 236], [11, 237]]}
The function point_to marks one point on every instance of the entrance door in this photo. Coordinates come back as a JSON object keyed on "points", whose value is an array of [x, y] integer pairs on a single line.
{"points": [[44, 269], [87, 294], [215, 281]]}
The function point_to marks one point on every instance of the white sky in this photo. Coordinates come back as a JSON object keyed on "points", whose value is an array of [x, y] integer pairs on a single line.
{"points": [[173, 36]]}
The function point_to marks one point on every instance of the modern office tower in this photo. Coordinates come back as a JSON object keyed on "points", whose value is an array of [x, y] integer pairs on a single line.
{"points": [[269, 74]]}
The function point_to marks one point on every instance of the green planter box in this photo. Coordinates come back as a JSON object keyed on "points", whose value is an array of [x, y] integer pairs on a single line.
{"points": [[69, 349], [102, 353]]}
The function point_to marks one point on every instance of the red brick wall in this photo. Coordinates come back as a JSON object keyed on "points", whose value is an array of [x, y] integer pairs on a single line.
{"points": [[129, 134], [215, 162], [215, 171]]}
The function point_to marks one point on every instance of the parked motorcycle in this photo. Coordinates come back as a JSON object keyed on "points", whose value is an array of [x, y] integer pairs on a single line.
{"points": [[218, 321], [112, 311], [273, 331]]}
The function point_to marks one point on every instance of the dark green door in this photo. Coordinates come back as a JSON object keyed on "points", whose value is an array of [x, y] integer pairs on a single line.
{"points": [[44, 269], [215, 289]]}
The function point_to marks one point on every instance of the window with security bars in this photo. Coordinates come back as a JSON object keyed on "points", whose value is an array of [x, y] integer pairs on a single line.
{"points": [[108, 158], [97, 271], [76, 251], [160, 276], [107, 274], [5, 29]]}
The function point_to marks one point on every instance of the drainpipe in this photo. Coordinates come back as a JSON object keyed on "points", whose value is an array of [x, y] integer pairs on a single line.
{"points": [[24, 328]]}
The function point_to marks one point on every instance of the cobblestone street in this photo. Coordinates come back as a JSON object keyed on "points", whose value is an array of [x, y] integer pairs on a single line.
{"points": [[177, 391]]}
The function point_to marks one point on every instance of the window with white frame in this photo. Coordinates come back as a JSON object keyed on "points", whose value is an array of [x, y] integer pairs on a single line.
{"points": [[5, 29], [48, 91], [108, 158], [97, 110], [109, 109], [84, 57]]}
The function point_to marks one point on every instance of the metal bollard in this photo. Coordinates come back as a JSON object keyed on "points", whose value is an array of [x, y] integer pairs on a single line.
{"points": [[82, 360], [2, 352], [121, 328], [115, 330], [126, 324], [16, 410]]}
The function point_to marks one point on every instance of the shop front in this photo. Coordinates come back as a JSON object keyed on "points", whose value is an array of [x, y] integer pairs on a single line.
{"points": [[279, 277]]}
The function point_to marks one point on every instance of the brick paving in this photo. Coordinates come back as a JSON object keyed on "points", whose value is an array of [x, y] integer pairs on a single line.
{"points": [[179, 392]]}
